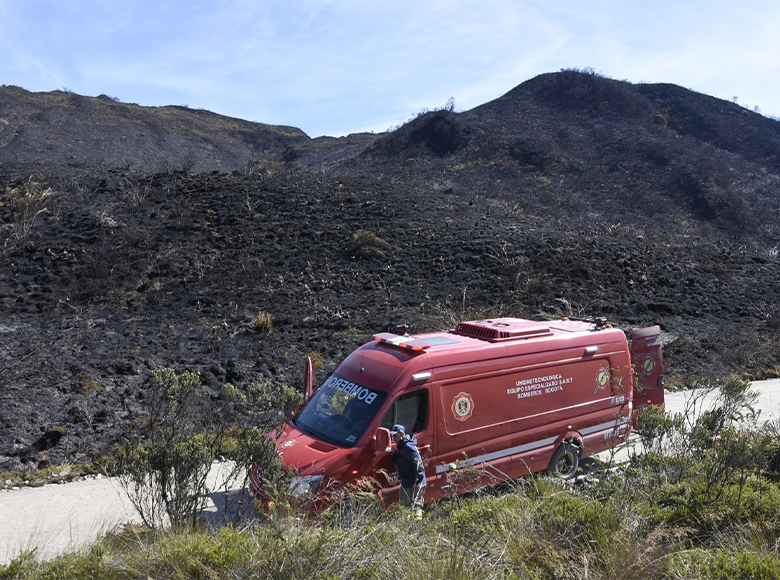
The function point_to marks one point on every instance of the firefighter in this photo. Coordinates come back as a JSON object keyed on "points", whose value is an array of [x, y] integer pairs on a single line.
{"points": [[411, 470]]}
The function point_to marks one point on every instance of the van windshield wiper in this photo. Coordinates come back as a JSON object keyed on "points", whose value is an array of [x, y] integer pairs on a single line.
{"points": [[309, 431], [329, 439], [298, 425]]}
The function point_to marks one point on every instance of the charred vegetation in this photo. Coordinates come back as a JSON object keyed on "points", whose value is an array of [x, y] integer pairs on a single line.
{"points": [[135, 239]]}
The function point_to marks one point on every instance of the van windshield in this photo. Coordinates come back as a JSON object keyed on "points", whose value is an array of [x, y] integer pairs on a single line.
{"points": [[340, 411]]}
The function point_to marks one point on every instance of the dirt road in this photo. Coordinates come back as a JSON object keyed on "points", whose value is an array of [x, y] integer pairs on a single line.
{"points": [[56, 518], [691, 402]]}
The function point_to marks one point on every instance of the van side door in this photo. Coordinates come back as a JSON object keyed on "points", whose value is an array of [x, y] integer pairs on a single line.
{"points": [[411, 409]]}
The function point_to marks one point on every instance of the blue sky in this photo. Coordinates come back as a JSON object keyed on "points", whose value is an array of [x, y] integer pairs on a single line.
{"points": [[333, 67]]}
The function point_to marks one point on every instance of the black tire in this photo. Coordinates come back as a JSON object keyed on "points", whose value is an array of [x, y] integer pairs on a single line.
{"points": [[565, 461]]}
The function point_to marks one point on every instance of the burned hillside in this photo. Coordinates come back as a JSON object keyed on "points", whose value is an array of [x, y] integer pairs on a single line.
{"points": [[570, 195]]}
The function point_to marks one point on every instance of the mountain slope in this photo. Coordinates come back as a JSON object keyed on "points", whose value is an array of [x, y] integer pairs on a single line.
{"points": [[570, 195], [62, 134], [572, 144]]}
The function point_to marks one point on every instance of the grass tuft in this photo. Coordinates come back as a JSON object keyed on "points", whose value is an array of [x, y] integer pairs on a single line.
{"points": [[263, 322], [367, 243]]}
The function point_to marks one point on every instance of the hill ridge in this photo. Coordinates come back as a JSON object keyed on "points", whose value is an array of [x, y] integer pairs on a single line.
{"points": [[116, 261]]}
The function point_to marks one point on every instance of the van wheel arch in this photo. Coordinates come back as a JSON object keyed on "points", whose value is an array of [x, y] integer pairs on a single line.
{"points": [[565, 460]]}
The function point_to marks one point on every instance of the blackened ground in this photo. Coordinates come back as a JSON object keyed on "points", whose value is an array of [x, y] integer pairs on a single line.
{"points": [[107, 287], [571, 194]]}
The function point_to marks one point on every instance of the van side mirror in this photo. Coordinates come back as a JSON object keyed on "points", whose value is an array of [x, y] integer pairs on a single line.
{"points": [[308, 380], [382, 441]]}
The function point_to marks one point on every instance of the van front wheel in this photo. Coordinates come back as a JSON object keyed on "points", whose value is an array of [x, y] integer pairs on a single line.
{"points": [[565, 461]]}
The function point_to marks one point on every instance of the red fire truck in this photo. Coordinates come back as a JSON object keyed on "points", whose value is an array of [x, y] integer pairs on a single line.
{"points": [[501, 398]]}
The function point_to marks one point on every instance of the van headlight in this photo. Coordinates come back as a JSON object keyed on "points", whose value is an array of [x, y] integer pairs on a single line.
{"points": [[306, 486]]}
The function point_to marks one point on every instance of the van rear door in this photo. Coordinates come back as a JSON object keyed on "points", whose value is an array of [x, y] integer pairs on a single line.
{"points": [[648, 367]]}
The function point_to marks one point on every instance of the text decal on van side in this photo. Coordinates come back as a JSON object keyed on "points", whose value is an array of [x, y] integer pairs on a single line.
{"points": [[462, 406], [536, 386], [362, 393]]}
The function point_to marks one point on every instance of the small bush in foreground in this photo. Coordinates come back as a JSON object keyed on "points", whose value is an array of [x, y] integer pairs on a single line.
{"points": [[164, 466], [729, 564]]}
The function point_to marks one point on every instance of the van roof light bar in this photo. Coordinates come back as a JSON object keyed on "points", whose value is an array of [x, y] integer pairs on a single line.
{"points": [[599, 323], [405, 342]]}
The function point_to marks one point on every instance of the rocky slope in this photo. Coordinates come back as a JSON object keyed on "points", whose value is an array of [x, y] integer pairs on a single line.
{"points": [[571, 194]]}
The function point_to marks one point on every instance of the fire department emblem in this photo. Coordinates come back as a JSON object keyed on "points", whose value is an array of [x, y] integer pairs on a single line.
{"points": [[601, 380], [462, 406], [646, 367]]}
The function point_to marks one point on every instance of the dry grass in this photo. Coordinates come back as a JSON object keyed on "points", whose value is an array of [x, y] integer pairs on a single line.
{"points": [[26, 204], [367, 243], [263, 322], [536, 530]]}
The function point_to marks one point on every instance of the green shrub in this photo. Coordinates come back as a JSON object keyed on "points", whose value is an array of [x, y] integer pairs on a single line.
{"points": [[20, 566], [167, 478], [655, 428], [273, 395], [195, 554], [164, 466], [688, 563], [477, 517], [87, 385], [571, 519], [742, 565]]}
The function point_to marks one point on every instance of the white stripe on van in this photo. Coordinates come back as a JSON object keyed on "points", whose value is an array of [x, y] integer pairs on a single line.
{"points": [[497, 454], [604, 426], [526, 447]]}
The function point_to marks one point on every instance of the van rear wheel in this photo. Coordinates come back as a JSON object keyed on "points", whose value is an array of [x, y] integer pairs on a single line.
{"points": [[565, 461]]}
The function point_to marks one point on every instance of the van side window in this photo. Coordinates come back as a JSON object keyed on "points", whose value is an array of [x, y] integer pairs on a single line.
{"points": [[410, 410]]}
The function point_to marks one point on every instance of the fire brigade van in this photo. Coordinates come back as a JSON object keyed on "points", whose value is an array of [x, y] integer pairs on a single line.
{"points": [[498, 399]]}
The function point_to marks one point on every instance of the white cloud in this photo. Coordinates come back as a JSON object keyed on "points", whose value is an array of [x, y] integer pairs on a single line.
{"points": [[335, 66]]}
